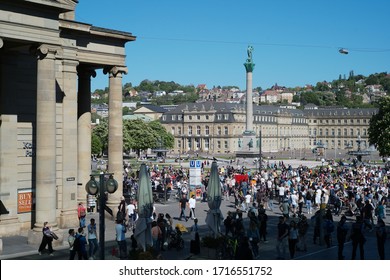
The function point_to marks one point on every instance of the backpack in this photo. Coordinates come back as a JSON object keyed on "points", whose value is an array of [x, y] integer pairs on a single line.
{"points": [[77, 244]]}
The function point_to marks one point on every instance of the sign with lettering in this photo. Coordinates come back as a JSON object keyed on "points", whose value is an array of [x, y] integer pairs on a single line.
{"points": [[195, 164], [24, 200]]}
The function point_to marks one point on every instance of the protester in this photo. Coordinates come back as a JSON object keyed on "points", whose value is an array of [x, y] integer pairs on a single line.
{"points": [[92, 239], [71, 238]]}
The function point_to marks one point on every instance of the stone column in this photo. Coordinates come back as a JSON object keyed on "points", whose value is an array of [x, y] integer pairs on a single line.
{"points": [[249, 105], [68, 215], [84, 131], [1, 43], [115, 132], [45, 160]]}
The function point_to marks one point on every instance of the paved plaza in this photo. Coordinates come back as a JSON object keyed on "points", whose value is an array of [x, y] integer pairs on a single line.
{"points": [[17, 247]]}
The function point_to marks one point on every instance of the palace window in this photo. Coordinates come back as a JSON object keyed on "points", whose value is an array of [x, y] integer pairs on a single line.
{"points": [[207, 130], [207, 143], [173, 131], [179, 130], [190, 130], [226, 130], [226, 145], [198, 130], [219, 131]]}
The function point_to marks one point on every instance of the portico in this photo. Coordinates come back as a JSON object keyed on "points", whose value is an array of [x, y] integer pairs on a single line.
{"points": [[47, 61]]}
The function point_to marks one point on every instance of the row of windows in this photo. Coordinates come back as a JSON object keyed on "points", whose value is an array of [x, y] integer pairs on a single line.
{"points": [[199, 131], [345, 121], [332, 131]]}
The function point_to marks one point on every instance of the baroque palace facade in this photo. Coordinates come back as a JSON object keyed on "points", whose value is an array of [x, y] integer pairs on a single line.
{"points": [[216, 128], [47, 60]]}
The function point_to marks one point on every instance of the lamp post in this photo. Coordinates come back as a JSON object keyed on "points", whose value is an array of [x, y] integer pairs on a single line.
{"points": [[93, 188], [322, 161]]}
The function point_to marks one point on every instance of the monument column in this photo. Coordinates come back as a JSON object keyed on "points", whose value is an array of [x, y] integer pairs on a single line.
{"points": [[246, 146], [115, 132], [45, 159], [84, 131]]}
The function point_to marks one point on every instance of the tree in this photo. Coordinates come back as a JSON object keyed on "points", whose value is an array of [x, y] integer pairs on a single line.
{"points": [[96, 145], [379, 129], [138, 136], [101, 132], [167, 139]]}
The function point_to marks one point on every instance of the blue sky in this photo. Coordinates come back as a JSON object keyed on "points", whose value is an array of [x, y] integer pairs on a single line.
{"points": [[295, 42]]}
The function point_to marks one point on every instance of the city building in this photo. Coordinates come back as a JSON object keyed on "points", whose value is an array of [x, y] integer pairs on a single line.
{"points": [[216, 128]]}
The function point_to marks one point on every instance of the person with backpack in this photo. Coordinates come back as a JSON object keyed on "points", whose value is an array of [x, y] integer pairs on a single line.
{"points": [[80, 245]]}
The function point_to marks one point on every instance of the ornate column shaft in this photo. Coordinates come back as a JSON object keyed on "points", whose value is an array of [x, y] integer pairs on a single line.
{"points": [[45, 196], [69, 142], [115, 131], [84, 131]]}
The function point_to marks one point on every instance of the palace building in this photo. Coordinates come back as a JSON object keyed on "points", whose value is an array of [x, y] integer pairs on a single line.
{"points": [[216, 128], [47, 60]]}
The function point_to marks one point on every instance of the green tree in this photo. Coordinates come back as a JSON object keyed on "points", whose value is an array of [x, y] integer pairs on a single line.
{"points": [[101, 132], [379, 129], [96, 145], [138, 135], [167, 139]]}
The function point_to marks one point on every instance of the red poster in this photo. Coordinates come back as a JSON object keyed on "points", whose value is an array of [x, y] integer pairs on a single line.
{"points": [[24, 201]]}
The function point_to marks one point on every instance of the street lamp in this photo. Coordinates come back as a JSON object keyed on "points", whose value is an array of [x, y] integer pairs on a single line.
{"points": [[322, 161], [93, 188]]}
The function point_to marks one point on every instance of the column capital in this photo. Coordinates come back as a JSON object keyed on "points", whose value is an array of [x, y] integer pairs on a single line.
{"points": [[45, 50], [85, 72], [115, 70], [1, 43]]}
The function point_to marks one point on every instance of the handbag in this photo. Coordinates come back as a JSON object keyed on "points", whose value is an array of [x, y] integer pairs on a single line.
{"points": [[55, 237]]}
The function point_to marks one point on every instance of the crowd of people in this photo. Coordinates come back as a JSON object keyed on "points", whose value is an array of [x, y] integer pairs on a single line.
{"points": [[304, 197]]}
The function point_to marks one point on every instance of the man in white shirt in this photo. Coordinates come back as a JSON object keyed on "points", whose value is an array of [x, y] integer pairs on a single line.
{"points": [[130, 208], [192, 204]]}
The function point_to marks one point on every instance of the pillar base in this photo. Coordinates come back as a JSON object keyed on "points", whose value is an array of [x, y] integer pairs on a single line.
{"points": [[248, 146], [9, 226], [68, 219]]}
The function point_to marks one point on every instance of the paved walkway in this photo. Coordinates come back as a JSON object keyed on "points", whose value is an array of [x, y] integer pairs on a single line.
{"points": [[17, 247]]}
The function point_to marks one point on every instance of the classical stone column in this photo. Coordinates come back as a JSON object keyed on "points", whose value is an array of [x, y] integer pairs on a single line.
{"points": [[45, 160], [84, 131], [249, 66], [68, 215], [115, 131]]}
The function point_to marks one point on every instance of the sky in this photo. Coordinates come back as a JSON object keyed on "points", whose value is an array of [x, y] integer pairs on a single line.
{"points": [[296, 42]]}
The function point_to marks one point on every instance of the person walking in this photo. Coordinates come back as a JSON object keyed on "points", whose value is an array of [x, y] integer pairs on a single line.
{"points": [[342, 231], [120, 230], [47, 239], [192, 205], [182, 204], [92, 239], [71, 239]]}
